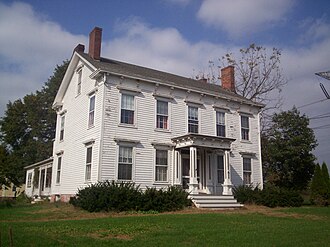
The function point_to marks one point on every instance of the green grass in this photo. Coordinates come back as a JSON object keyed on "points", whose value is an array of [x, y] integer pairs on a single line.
{"points": [[62, 225]]}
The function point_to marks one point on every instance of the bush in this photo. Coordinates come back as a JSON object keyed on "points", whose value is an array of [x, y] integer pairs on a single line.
{"points": [[111, 196], [320, 186], [270, 196]]}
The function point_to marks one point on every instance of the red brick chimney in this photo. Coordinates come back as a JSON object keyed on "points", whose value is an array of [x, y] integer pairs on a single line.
{"points": [[228, 78], [79, 48], [95, 39]]}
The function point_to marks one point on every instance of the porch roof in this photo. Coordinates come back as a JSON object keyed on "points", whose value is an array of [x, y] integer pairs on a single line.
{"points": [[198, 140], [40, 163]]}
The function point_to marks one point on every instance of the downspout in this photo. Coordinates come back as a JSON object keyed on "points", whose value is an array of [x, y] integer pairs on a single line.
{"points": [[260, 159]]}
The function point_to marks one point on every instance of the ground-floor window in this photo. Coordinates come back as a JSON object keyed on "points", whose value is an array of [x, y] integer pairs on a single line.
{"points": [[29, 180], [125, 163], [88, 173], [48, 177], [220, 169], [247, 170], [58, 171], [161, 165]]}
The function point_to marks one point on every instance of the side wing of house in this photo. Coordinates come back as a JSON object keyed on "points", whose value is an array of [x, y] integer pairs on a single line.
{"points": [[79, 107]]}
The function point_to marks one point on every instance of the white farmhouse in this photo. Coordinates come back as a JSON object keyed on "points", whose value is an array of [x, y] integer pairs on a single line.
{"points": [[123, 122]]}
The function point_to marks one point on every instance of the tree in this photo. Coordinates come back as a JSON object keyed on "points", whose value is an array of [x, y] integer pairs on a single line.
{"points": [[28, 127], [320, 187], [288, 158], [258, 76]]}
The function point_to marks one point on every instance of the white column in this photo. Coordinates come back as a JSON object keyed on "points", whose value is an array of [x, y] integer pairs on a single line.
{"points": [[227, 185], [177, 168], [193, 183]]}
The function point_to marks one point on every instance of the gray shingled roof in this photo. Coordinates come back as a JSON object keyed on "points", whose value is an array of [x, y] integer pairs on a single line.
{"points": [[131, 70]]}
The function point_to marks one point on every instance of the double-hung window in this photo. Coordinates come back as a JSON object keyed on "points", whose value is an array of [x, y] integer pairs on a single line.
{"points": [[192, 119], [48, 177], [161, 165], [247, 170], [245, 128], [29, 180], [127, 109], [220, 169], [162, 115], [88, 172], [79, 81], [62, 127], [91, 114], [58, 171], [220, 122], [125, 163]]}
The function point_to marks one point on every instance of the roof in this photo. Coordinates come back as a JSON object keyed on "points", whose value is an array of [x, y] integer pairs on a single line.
{"points": [[43, 162], [143, 73]]}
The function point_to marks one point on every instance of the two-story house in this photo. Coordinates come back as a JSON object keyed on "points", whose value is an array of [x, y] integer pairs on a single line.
{"points": [[123, 122]]}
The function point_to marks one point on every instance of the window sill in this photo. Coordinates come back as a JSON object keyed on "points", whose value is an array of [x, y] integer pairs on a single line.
{"points": [[127, 126], [163, 130], [246, 141]]}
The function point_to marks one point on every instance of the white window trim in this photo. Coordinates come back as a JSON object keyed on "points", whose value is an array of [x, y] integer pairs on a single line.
{"points": [[29, 180], [125, 144], [79, 80], [91, 164], [251, 175], [134, 94], [168, 114], [199, 118], [61, 120], [89, 106], [215, 121], [58, 181], [162, 148]]}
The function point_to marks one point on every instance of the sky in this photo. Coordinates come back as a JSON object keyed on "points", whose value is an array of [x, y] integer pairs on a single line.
{"points": [[177, 36]]}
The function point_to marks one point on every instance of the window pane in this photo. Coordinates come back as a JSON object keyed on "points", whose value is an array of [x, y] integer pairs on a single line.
{"points": [[89, 155], [88, 172], [92, 103], [246, 164], [161, 173], [245, 122], [221, 130], [162, 107], [161, 157], [220, 162], [127, 116], [59, 163], [127, 102], [162, 122], [125, 171], [221, 118], [193, 113]]}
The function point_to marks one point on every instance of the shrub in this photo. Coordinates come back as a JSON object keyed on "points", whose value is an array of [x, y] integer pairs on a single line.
{"points": [[246, 193], [320, 186], [111, 196]]}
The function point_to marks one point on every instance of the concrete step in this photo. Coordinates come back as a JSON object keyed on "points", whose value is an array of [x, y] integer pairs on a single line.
{"points": [[218, 201], [217, 206], [214, 201], [210, 197]]}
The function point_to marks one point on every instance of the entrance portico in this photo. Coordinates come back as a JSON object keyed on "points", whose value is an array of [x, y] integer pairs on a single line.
{"points": [[199, 151]]}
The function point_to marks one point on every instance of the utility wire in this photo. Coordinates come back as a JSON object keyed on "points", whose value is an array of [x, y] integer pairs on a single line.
{"points": [[319, 101]]}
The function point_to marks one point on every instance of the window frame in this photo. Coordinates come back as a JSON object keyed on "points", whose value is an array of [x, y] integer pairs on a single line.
{"points": [[79, 81], [167, 128], [88, 163], [219, 124], [247, 172], [158, 149], [48, 180], [91, 112], [245, 130], [59, 169], [190, 123], [29, 180], [119, 163], [133, 110], [62, 127]]}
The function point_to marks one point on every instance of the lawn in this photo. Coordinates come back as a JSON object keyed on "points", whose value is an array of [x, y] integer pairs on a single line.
{"points": [[63, 225]]}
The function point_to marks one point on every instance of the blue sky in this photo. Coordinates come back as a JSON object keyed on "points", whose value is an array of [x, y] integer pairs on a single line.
{"points": [[178, 36]]}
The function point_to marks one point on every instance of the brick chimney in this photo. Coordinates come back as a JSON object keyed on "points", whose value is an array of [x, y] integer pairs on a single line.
{"points": [[95, 39], [228, 78], [79, 48]]}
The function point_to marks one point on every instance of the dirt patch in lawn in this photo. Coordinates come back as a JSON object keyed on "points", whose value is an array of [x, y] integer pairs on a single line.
{"points": [[106, 235]]}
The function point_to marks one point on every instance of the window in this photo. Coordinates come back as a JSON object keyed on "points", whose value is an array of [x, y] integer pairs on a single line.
{"points": [[127, 109], [88, 173], [162, 114], [91, 111], [29, 180], [161, 165], [247, 170], [245, 128], [58, 172], [48, 177], [192, 119], [125, 163], [220, 122], [220, 169], [79, 82], [62, 127]]}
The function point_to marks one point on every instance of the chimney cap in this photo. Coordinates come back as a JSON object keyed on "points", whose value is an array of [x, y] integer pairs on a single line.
{"points": [[79, 48]]}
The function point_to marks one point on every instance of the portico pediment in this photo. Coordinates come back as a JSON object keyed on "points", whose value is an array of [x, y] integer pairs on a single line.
{"points": [[206, 141]]}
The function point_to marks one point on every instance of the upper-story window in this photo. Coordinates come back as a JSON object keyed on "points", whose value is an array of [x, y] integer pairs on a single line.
{"points": [[247, 170], [62, 128], [220, 122], [127, 109], [88, 172], [91, 113], [245, 128], [79, 81], [125, 163], [58, 171], [162, 114], [192, 119]]}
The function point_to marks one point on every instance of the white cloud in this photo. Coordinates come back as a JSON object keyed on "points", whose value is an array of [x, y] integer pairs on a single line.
{"points": [[30, 48], [180, 2], [314, 29], [239, 17]]}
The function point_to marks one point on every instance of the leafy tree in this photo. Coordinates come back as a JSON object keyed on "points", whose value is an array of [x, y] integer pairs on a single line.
{"points": [[320, 187], [258, 75], [288, 158], [28, 127]]}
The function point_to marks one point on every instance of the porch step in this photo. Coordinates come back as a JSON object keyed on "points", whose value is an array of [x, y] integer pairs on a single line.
{"points": [[214, 201]]}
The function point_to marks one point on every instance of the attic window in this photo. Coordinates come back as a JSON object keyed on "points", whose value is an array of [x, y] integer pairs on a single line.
{"points": [[79, 72]]}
